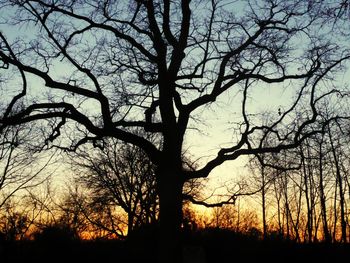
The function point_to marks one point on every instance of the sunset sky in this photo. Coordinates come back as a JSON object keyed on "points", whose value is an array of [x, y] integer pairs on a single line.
{"points": [[213, 126]]}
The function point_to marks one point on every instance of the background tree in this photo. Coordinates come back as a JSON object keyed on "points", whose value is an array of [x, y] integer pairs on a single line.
{"points": [[120, 175], [89, 70], [14, 224], [21, 167]]}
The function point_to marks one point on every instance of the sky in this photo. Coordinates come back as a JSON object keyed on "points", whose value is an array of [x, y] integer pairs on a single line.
{"points": [[216, 123]]}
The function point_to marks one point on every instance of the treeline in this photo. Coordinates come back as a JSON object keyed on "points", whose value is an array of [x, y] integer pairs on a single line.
{"points": [[301, 195], [305, 193], [111, 193]]}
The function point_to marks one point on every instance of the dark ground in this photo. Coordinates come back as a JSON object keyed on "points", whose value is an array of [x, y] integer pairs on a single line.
{"points": [[213, 245]]}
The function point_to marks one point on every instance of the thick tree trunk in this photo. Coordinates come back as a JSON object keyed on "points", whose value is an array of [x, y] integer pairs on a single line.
{"points": [[170, 216]]}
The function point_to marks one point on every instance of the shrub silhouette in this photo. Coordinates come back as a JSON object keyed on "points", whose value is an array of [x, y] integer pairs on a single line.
{"points": [[56, 234]]}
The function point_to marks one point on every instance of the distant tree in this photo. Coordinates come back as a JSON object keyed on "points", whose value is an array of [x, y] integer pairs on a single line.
{"points": [[119, 175], [235, 218], [14, 222], [225, 217], [21, 169], [307, 171], [20, 166], [262, 179], [336, 149], [68, 209], [90, 70]]}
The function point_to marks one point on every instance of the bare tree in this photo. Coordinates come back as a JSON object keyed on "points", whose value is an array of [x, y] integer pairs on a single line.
{"points": [[262, 179], [108, 67], [14, 223], [21, 167], [309, 189], [119, 175], [340, 183]]}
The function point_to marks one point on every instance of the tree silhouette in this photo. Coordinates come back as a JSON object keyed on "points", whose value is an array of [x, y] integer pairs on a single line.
{"points": [[119, 176], [86, 70], [19, 164]]}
